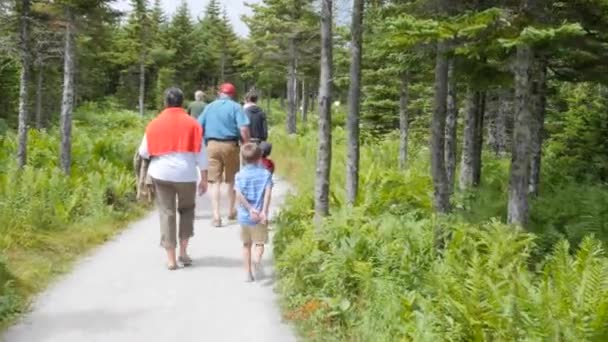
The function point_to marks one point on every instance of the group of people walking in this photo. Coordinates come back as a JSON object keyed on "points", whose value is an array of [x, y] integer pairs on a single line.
{"points": [[195, 150]]}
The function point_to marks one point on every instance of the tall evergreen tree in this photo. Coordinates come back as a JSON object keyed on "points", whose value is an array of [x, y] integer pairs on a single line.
{"points": [[26, 67], [322, 179], [354, 101], [283, 31]]}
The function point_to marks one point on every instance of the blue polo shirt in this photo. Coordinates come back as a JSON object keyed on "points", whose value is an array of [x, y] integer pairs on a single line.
{"points": [[222, 119]]}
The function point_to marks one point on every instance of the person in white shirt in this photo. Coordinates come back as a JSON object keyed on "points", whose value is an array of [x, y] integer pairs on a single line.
{"points": [[173, 141]]}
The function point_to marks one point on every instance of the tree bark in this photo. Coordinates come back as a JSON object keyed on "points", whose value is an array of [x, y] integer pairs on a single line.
{"points": [[354, 104], [40, 120], [469, 140], [477, 166], [518, 210], [67, 104], [142, 84], [538, 127], [223, 65], [291, 88], [503, 123], [440, 180], [305, 101], [470, 167], [404, 123], [26, 67], [451, 128], [325, 97], [492, 119]]}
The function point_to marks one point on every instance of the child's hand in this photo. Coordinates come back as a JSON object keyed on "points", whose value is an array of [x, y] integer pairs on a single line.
{"points": [[255, 215], [263, 218]]}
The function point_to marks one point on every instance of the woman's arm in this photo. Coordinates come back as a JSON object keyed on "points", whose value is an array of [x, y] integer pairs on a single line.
{"points": [[143, 148]]}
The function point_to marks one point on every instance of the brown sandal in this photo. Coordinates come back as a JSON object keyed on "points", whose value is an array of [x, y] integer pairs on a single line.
{"points": [[172, 267], [216, 223]]}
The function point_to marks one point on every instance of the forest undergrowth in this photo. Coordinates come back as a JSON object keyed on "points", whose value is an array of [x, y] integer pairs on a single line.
{"points": [[390, 269], [47, 219]]}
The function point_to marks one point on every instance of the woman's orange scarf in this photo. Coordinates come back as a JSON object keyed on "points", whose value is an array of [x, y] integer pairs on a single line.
{"points": [[173, 131]]}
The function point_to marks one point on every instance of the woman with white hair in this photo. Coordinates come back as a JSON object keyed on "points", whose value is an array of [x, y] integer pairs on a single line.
{"points": [[196, 108]]}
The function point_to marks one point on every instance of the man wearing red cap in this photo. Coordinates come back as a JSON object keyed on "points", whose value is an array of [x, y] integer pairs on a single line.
{"points": [[225, 126]]}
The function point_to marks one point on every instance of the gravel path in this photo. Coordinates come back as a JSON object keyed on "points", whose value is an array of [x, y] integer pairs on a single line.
{"points": [[122, 292]]}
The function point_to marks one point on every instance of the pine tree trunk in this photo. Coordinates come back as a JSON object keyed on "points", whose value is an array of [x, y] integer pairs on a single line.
{"points": [[325, 97], [440, 180], [404, 123], [40, 119], [24, 81], [504, 122], [468, 140], [354, 104], [223, 66], [291, 88], [67, 104], [492, 118], [518, 210], [451, 128], [538, 127], [305, 101], [142, 84], [470, 167], [477, 160]]}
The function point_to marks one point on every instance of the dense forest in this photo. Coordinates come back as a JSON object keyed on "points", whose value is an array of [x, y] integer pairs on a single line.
{"points": [[450, 157]]}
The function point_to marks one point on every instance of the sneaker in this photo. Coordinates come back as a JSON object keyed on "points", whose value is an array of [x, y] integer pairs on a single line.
{"points": [[258, 270]]}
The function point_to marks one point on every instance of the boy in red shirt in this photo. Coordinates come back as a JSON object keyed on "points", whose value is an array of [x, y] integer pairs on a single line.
{"points": [[267, 163]]}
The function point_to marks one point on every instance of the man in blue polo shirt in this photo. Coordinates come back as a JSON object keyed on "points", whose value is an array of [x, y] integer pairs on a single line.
{"points": [[224, 126]]}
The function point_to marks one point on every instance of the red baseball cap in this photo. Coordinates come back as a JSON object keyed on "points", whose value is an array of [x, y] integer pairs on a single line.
{"points": [[228, 89]]}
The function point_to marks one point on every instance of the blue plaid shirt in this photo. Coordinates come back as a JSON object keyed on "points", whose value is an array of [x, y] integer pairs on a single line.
{"points": [[252, 182]]}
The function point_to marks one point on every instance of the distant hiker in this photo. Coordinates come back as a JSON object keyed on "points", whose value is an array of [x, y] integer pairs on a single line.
{"points": [[257, 118], [266, 162], [225, 126], [173, 141], [253, 187], [196, 107]]}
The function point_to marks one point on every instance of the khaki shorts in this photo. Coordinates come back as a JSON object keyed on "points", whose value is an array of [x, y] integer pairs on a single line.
{"points": [[166, 195], [224, 161], [257, 234]]}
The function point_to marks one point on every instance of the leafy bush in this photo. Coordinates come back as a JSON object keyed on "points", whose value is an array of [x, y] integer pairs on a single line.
{"points": [[40, 207], [389, 270]]}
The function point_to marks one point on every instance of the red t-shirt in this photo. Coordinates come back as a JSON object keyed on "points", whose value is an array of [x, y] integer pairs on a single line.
{"points": [[268, 164]]}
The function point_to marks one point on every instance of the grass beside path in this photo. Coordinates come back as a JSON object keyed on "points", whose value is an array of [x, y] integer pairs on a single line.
{"points": [[48, 220]]}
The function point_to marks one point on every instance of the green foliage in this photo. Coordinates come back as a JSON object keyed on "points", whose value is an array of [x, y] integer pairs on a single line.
{"points": [[389, 270], [40, 206], [578, 128]]}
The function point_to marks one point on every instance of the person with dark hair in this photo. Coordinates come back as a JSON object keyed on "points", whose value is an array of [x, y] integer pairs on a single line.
{"points": [[258, 126], [267, 163], [225, 126], [173, 142]]}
